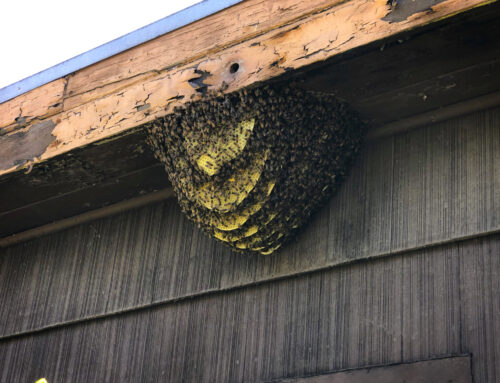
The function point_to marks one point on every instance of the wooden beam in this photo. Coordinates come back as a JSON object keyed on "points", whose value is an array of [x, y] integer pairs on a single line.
{"points": [[41, 102], [191, 42], [92, 215], [244, 47]]}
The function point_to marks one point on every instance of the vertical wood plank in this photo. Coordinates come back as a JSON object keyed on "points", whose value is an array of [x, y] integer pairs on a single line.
{"points": [[416, 189], [396, 309]]}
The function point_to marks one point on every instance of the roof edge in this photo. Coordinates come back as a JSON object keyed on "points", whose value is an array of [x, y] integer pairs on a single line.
{"points": [[149, 32]]}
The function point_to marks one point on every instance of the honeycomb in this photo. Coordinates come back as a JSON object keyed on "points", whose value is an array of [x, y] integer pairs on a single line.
{"points": [[252, 166]]}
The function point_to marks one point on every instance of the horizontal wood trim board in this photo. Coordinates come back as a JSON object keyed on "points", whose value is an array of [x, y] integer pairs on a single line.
{"points": [[93, 165], [88, 197], [437, 302], [448, 112], [92, 215], [210, 34], [451, 370], [431, 94], [288, 41], [425, 187], [158, 28]]}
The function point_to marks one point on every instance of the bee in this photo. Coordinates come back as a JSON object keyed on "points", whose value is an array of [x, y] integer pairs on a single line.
{"points": [[311, 139]]}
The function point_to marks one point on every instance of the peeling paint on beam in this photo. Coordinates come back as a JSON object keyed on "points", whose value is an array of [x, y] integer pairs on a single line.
{"points": [[41, 102], [194, 41], [323, 35], [120, 44]]}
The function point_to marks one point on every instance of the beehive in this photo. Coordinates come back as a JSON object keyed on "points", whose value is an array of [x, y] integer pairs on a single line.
{"points": [[251, 167]]}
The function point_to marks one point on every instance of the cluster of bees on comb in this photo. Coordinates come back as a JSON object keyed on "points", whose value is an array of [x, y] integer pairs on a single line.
{"points": [[250, 167]]}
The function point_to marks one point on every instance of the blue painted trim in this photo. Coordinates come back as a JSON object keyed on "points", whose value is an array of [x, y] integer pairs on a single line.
{"points": [[149, 32]]}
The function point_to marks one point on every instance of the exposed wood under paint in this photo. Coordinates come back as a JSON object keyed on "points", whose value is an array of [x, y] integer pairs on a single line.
{"points": [[158, 28], [210, 35], [430, 73], [278, 49], [40, 103], [14, 221]]}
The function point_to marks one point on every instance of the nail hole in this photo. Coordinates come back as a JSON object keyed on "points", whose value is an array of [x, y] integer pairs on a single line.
{"points": [[234, 68]]}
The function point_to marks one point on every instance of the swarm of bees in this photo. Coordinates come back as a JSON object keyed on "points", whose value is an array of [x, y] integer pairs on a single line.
{"points": [[250, 167]]}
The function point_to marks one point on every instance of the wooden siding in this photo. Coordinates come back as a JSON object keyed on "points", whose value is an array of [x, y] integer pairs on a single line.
{"points": [[454, 369], [416, 306], [108, 300], [416, 189]]}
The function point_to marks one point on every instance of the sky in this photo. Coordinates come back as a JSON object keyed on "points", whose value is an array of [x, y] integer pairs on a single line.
{"points": [[38, 34]]}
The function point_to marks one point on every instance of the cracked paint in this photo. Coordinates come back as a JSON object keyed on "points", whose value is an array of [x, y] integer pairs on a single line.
{"points": [[343, 27]]}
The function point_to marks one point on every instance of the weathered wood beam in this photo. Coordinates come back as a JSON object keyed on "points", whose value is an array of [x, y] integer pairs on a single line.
{"points": [[39, 103], [248, 43], [181, 46]]}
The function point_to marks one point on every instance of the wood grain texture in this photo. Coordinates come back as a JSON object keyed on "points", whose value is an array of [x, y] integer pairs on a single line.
{"points": [[192, 41], [385, 80], [425, 304], [39, 103], [416, 189], [260, 58], [211, 34], [416, 72]]}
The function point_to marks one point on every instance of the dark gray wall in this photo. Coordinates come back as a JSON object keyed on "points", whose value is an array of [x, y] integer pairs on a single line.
{"points": [[101, 302], [416, 306]]}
